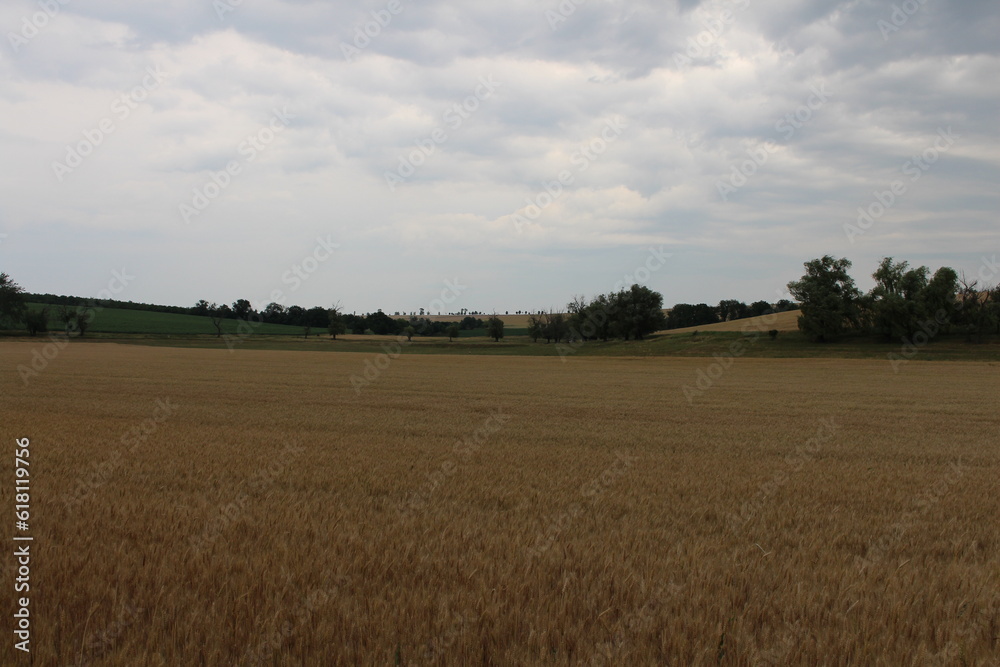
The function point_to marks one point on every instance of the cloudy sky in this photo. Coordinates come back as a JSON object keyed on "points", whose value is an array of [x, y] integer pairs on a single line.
{"points": [[513, 153]]}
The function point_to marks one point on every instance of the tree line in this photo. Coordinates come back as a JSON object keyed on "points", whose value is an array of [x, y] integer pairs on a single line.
{"points": [[629, 314], [687, 315], [906, 302]]}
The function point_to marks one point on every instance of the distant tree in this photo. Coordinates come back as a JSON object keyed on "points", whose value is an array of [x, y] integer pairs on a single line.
{"points": [[941, 294], [295, 316], [731, 309], [758, 308], [576, 317], [784, 305], [556, 327], [317, 317], [494, 327], [978, 311], [336, 324], [453, 331], [830, 302], [893, 307], [639, 312], [381, 324], [903, 300], [36, 321], [536, 326], [218, 313], [12, 304], [76, 318], [468, 322], [242, 309], [600, 314], [274, 313], [201, 308], [685, 315], [408, 331]]}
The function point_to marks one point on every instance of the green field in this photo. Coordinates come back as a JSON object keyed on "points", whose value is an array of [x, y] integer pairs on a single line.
{"points": [[175, 330], [120, 320]]}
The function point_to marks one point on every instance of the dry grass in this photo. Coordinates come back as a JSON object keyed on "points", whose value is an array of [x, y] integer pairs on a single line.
{"points": [[786, 321], [279, 518]]}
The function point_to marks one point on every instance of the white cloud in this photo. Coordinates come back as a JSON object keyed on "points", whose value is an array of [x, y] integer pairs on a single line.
{"points": [[687, 127]]}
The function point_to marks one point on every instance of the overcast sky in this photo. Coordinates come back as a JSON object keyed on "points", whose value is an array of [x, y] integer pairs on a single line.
{"points": [[514, 153]]}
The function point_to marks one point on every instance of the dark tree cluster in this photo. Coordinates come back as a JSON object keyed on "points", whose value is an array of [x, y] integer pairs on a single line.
{"points": [[904, 302], [69, 301], [630, 314], [685, 315]]}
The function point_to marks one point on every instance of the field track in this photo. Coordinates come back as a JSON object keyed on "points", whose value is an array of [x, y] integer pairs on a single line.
{"points": [[196, 506]]}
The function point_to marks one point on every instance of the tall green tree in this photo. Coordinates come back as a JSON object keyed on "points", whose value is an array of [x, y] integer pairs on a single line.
{"points": [[218, 313], [978, 309], [829, 300], [557, 326], [494, 327], [894, 304], [904, 301], [242, 309], [36, 321], [12, 305], [336, 324], [731, 309], [76, 318], [536, 326], [639, 312]]}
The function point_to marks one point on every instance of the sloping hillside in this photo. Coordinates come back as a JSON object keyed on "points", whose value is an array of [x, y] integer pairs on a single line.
{"points": [[786, 321]]}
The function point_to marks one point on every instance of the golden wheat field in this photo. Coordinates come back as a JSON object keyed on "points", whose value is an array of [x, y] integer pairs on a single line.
{"points": [[784, 321], [206, 507]]}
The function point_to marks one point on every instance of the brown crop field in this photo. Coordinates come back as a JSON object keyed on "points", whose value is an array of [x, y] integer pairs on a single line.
{"points": [[785, 321], [207, 507]]}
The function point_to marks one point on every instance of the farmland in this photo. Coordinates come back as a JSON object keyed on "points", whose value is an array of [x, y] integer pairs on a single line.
{"points": [[202, 506], [120, 320]]}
